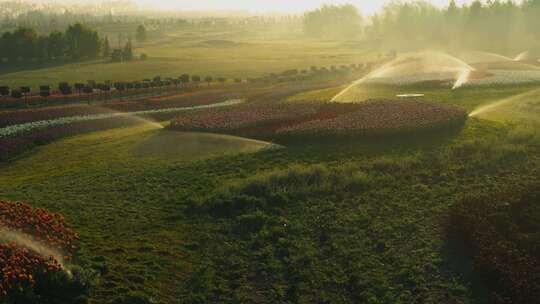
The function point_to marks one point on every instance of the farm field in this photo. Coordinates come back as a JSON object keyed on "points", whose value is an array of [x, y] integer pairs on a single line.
{"points": [[346, 158], [144, 185], [219, 54]]}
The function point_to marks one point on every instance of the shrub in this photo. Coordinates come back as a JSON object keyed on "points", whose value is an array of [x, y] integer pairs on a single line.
{"points": [[271, 191], [502, 234], [250, 223]]}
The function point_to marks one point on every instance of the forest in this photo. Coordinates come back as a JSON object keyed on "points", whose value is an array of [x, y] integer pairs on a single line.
{"points": [[499, 26], [77, 42]]}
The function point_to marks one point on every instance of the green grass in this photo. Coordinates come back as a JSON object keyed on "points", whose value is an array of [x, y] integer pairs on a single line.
{"points": [[378, 207], [111, 186], [522, 108]]}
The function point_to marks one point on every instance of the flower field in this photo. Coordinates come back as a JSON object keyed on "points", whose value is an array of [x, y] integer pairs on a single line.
{"points": [[21, 265], [380, 117], [507, 77], [280, 121], [12, 146], [241, 117], [8, 118], [489, 77], [404, 80]]}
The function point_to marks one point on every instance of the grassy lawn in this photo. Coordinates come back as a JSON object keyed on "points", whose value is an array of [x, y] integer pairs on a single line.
{"points": [[521, 108], [111, 187]]}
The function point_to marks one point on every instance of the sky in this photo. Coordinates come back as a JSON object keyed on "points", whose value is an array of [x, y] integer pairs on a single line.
{"points": [[366, 6]]}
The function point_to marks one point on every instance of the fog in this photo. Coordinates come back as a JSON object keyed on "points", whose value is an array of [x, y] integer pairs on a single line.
{"points": [[368, 7]]}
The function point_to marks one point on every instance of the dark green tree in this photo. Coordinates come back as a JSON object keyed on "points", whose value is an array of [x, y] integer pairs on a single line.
{"points": [[82, 42], [140, 34], [106, 48], [209, 80]]}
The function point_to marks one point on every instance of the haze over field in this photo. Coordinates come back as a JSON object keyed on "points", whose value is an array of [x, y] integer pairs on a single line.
{"points": [[285, 6]]}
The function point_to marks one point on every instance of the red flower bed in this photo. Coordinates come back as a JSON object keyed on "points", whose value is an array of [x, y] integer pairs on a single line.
{"points": [[281, 121], [20, 265], [40, 224], [379, 117], [240, 117]]}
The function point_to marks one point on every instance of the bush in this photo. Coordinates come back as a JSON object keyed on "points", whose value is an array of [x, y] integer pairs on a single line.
{"points": [[272, 191], [502, 235], [250, 223]]}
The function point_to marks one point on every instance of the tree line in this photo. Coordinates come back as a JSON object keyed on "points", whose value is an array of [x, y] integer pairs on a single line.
{"points": [[334, 21], [75, 43], [499, 26]]}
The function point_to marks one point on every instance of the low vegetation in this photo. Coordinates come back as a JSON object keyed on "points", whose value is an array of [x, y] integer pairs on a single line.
{"points": [[500, 232]]}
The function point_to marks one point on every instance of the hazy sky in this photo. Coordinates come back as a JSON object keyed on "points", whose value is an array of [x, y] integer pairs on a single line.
{"points": [[367, 6]]}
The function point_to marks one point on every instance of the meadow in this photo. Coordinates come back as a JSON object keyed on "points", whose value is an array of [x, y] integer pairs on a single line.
{"points": [[167, 210], [229, 53]]}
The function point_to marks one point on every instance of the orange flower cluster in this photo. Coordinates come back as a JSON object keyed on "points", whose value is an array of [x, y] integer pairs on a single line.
{"points": [[42, 225], [19, 266]]}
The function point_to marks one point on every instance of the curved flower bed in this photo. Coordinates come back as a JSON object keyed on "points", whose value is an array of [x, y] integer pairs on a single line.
{"points": [[283, 121], [18, 138], [241, 117], [381, 117], [14, 117]]}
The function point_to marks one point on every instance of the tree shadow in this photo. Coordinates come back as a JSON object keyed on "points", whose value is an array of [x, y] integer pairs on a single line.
{"points": [[458, 264]]}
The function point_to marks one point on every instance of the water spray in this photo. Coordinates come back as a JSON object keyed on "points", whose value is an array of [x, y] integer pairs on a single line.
{"points": [[427, 62], [27, 241], [462, 78], [522, 56]]}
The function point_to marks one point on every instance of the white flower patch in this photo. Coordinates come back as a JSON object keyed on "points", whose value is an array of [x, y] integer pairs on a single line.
{"points": [[412, 78], [501, 77]]}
